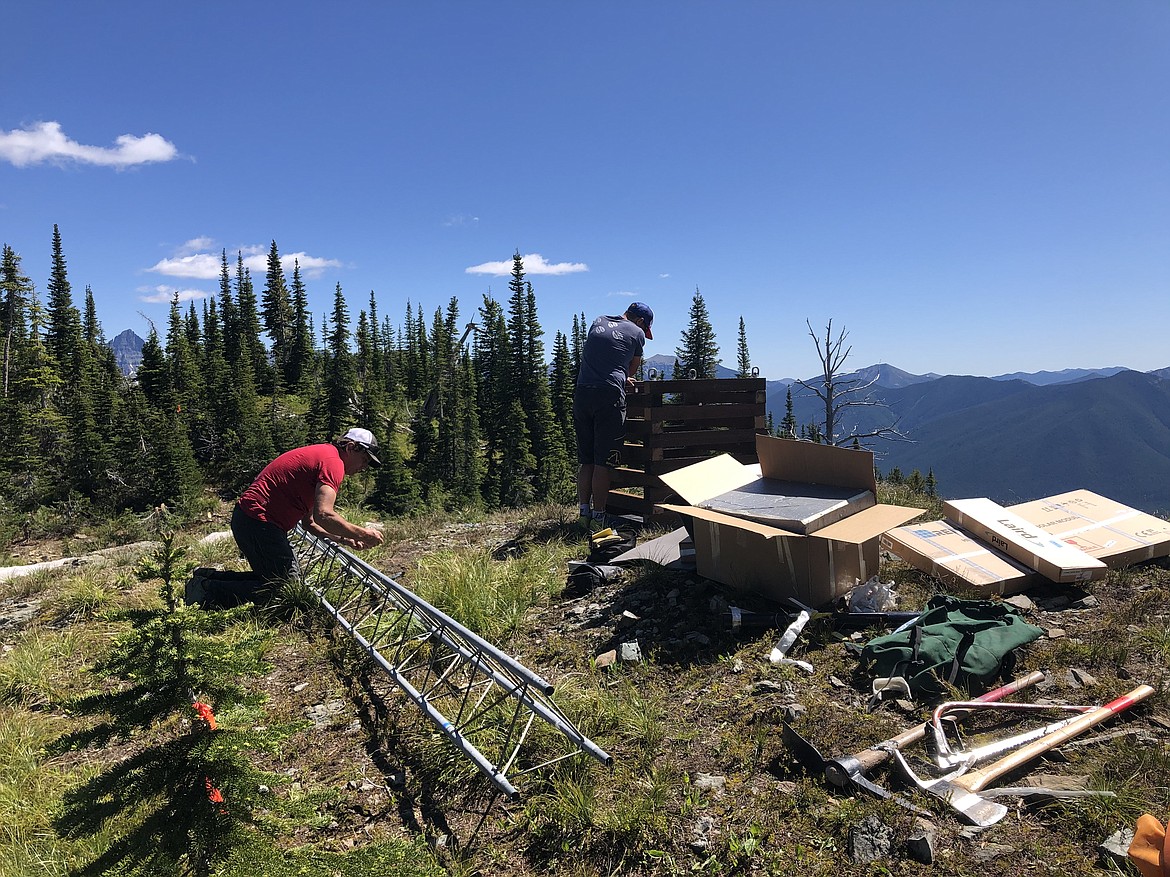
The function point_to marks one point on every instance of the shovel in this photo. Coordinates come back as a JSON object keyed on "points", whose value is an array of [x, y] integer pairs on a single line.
{"points": [[850, 770], [961, 791]]}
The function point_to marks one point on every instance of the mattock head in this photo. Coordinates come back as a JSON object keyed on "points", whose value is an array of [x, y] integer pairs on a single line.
{"points": [[804, 751]]}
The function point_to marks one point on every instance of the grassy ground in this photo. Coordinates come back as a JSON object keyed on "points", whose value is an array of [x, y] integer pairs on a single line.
{"points": [[325, 768]]}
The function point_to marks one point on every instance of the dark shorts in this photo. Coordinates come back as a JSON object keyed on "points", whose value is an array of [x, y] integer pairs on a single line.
{"points": [[266, 548], [599, 417]]}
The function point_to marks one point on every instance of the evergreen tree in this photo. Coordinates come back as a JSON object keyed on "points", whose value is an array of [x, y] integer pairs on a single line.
{"points": [[469, 466], [788, 424], [218, 390], [186, 385], [248, 327], [743, 358], [277, 310], [433, 439], [916, 482], [340, 372], [32, 450], [529, 381], [91, 329], [561, 386], [495, 396], [91, 412], [577, 344], [16, 291], [370, 376], [396, 492], [300, 354], [516, 460], [698, 351], [229, 317], [154, 374], [64, 321], [248, 443]]}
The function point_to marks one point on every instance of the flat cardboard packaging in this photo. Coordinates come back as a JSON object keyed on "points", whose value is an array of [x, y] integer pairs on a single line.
{"points": [[1102, 528], [775, 563], [1022, 540], [958, 561]]}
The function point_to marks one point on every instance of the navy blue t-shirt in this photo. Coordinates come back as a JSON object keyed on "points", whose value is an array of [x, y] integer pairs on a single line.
{"points": [[610, 345]]}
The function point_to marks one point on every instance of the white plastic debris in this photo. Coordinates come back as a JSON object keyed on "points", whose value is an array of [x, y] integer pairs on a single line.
{"points": [[779, 653], [873, 596]]}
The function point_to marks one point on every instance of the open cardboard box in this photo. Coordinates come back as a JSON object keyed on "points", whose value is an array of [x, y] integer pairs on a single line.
{"points": [[747, 555]]}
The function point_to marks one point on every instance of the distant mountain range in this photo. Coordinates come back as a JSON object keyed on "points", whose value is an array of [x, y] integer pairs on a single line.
{"points": [[1015, 437]]}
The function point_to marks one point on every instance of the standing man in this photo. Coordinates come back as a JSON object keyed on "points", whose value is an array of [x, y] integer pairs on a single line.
{"points": [[300, 486], [612, 355]]}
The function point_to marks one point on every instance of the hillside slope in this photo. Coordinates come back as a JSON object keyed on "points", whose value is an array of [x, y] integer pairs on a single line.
{"points": [[1014, 440]]}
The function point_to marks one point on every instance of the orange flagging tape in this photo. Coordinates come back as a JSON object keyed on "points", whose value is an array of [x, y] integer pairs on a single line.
{"points": [[204, 712], [214, 795]]}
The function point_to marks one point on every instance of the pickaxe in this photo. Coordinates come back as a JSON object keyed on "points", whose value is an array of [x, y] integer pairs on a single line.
{"points": [[960, 790], [850, 770]]}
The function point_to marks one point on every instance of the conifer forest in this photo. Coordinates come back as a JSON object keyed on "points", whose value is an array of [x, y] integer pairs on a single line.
{"points": [[467, 410]]}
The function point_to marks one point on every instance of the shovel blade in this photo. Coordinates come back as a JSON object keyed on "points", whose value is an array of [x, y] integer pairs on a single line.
{"points": [[974, 808]]}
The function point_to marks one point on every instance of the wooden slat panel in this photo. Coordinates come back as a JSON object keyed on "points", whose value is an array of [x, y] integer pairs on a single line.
{"points": [[656, 402], [728, 385], [640, 454], [621, 503], [700, 438], [711, 411], [638, 429]]}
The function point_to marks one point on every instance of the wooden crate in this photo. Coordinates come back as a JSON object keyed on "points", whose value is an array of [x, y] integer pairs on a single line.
{"points": [[672, 424]]}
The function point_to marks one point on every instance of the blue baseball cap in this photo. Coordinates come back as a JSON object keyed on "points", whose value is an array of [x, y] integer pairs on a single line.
{"points": [[643, 312]]}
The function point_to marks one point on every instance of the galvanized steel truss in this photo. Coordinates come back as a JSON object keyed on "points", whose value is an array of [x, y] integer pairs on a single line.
{"points": [[476, 695]]}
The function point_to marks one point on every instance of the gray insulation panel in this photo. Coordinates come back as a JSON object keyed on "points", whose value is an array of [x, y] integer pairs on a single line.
{"points": [[791, 505]]}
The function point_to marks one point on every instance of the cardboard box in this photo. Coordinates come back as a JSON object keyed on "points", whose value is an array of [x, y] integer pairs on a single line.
{"points": [[814, 568], [958, 561], [1109, 531], [1022, 540]]}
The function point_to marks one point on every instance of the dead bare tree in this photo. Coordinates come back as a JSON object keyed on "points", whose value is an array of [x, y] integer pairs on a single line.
{"points": [[840, 391]]}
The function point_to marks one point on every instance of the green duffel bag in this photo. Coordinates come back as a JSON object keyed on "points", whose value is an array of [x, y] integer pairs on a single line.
{"points": [[955, 641]]}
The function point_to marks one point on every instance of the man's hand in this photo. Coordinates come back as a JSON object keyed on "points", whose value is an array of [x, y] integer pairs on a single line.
{"points": [[369, 538]]}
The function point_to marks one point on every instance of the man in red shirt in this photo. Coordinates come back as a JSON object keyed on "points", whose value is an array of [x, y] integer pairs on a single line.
{"points": [[299, 486]]}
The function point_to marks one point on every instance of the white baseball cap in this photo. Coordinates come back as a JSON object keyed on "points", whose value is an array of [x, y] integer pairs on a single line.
{"points": [[366, 439]]}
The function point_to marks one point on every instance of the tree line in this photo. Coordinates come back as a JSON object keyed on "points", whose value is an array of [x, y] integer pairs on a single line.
{"points": [[467, 409]]}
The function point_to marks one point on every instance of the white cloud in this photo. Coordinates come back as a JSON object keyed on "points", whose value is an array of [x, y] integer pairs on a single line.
{"points": [[624, 294], [663, 276], [196, 244], [533, 264], [163, 294], [207, 266], [200, 266], [460, 219], [311, 266], [45, 141]]}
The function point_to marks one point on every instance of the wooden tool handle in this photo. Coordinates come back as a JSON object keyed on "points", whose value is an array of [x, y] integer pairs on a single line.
{"points": [[978, 779], [872, 757]]}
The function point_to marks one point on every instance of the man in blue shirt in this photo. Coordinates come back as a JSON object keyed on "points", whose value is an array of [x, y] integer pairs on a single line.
{"points": [[612, 355]]}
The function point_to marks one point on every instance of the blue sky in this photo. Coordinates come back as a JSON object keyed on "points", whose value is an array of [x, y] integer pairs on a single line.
{"points": [[966, 187]]}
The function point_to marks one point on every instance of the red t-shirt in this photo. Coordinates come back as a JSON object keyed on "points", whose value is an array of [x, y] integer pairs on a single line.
{"points": [[284, 491]]}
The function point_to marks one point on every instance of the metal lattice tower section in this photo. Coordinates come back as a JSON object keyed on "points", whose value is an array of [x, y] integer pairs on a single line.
{"points": [[476, 695]]}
